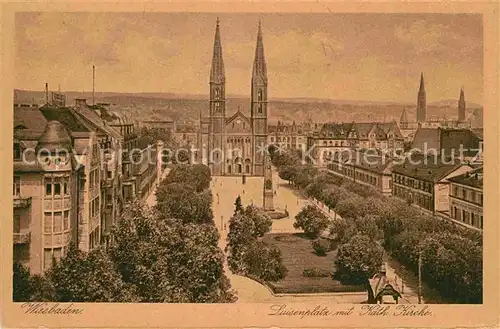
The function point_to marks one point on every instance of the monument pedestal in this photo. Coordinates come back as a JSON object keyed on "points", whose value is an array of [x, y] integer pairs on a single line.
{"points": [[268, 200]]}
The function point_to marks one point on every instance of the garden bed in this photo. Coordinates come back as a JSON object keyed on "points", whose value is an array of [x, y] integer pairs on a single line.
{"points": [[298, 255]]}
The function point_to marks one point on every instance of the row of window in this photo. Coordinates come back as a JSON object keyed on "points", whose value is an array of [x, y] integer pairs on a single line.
{"points": [[56, 186], [337, 143], [467, 194], [94, 238], [413, 183], [51, 254], [467, 217], [238, 140], [94, 207], [370, 179], [94, 178], [55, 222], [423, 201]]}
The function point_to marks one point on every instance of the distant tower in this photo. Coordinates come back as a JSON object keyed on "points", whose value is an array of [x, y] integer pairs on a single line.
{"points": [[258, 108], [461, 106], [403, 121], [421, 103], [216, 145]]}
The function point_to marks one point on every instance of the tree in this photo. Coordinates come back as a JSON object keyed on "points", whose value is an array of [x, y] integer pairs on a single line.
{"points": [[197, 176], [241, 235], [264, 262], [311, 220], [238, 207], [304, 175], [358, 260], [92, 277], [182, 202], [262, 221], [288, 172], [343, 230], [351, 207], [169, 261], [21, 283], [367, 225]]}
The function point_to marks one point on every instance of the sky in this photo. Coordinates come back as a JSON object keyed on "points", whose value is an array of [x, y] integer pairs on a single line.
{"points": [[368, 57]]}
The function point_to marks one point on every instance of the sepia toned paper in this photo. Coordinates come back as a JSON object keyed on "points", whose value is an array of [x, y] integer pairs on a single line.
{"points": [[352, 74]]}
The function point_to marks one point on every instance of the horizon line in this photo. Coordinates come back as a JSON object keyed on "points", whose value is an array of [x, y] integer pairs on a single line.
{"points": [[89, 93]]}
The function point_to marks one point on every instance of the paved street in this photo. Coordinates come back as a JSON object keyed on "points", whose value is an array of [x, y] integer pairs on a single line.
{"points": [[151, 199]]}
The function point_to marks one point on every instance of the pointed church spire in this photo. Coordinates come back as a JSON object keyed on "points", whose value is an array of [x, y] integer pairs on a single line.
{"points": [[422, 87], [259, 63], [404, 117], [461, 106], [217, 70]]}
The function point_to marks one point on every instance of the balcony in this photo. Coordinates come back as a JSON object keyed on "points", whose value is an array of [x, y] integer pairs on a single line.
{"points": [[22, 237], [20, 202]]}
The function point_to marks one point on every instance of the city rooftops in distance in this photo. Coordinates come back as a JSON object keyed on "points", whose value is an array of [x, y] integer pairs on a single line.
{"points": [[364, 159], [428, 167], [472, 178]]}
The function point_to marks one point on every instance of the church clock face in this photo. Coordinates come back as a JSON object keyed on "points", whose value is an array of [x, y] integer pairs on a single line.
{"points": [[238, 121]]}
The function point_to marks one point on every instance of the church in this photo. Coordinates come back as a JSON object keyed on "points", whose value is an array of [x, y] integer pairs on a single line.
{"points": [[234, 145]]}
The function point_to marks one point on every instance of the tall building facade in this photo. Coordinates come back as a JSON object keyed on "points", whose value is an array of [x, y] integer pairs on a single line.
{"points": [[233, 146], [421, 101]]}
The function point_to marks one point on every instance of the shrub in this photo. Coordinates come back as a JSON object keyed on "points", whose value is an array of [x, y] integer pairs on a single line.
{"points": [[316, 273], [311, 220], [321, 246]]}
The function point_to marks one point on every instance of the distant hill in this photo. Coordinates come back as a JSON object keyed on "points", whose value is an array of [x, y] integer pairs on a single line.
{"points": [[454, 102], [157, 106]]}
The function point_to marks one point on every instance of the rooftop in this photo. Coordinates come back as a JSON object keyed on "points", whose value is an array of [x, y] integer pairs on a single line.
{"points": [[472, 178], [426, 167], [65, 116]]}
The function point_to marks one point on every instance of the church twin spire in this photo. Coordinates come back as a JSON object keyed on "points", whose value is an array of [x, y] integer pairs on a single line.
{"points": [[259, 72], [217, 74]]}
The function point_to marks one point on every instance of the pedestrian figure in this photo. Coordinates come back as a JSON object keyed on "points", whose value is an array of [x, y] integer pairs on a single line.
{"points": [[274, 192], [225, 227], [243, 191], [297, 202]]}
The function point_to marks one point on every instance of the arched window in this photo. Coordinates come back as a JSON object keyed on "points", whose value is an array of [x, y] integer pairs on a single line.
{"points": [[217, 93], [259, 95], [260, 108], [217, 107]]}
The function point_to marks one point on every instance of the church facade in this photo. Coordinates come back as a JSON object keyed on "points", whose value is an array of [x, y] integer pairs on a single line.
{"points": [[233, 145]]}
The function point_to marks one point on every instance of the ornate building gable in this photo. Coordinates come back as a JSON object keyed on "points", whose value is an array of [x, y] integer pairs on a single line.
{"points": [[238, 123]]}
